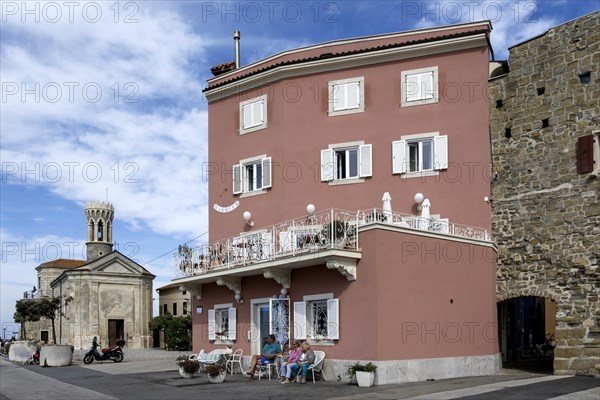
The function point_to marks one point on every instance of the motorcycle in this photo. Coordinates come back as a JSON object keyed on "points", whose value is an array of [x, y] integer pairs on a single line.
{"points": [[114, 353]]}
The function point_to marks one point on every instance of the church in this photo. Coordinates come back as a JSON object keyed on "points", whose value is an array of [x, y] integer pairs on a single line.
{"points": [[112, 294]]}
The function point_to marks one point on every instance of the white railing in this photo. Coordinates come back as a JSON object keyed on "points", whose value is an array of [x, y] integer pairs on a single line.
{"points": [[37, 294], [330, 229], [425, 224]]}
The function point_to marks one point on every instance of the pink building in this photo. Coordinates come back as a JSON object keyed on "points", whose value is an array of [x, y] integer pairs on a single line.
{"points": [[316, 159]]}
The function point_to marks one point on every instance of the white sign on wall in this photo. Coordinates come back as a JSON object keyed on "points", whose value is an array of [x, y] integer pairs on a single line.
{"points": [[226, 209]]}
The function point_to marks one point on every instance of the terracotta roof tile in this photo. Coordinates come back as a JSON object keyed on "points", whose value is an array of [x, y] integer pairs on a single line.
{"points": [[63, 263]]}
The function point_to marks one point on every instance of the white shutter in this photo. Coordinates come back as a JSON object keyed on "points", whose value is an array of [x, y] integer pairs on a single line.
{"points": [[412, 90], [399, 157], [365, 153], [339, 97], [237, 179], [258, 113], [333, 319], [231, 335], [267, 173], [327, 165], [211, 325], [426, 85], [353, 93], [300, 320], [440, 152], [247, 116]]}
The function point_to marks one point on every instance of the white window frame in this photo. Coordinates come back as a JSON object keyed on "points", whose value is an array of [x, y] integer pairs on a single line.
{"points": [[406, 89], [256, 125], [240, 175], [400, 154], [364, 160], [215, 326], [343, 84], [303, 310]]}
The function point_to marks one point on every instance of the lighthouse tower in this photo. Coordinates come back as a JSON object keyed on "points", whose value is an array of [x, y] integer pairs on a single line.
{"points": [[99, 217]]}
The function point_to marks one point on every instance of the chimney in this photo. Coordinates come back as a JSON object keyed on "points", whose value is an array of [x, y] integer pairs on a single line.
{"points": [[236, 40]]}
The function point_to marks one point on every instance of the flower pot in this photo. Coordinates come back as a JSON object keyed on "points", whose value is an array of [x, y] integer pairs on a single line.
{"points": [[365, 379], [217, 378], [186, 375]]}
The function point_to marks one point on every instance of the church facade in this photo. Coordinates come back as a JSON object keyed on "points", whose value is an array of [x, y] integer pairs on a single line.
{"points": [[112, 294]]}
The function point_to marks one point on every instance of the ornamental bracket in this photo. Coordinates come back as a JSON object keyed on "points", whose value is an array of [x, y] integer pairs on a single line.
{"points": [[281, 276], [196, 290], [233, 284], [345, 267]]}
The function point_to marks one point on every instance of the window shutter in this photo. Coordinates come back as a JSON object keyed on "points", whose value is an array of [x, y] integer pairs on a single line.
{"points": [[339, 97], [246, 116], [585, 154], [258, 117], [399, 157], [211, 325], [353, 93], [333, 319], [231, 335], [237, 179], [440, 152], [285, 241], [426, 85], [327, 165], [366, 160], [267, 173], [412, 90], [300, 320]]}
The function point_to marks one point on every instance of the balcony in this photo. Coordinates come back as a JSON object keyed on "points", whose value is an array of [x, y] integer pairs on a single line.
{"points": [[37, 294], [329, 237]]}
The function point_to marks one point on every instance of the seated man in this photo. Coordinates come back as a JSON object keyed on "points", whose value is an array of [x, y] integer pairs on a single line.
{"points": [[270, 350]]}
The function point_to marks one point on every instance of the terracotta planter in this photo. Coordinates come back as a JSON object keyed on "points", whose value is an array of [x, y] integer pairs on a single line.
{"points": [[218, 378], [365, 379]]}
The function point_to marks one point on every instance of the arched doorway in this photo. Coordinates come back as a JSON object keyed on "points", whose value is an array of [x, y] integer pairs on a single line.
{"points": [[526, 331]]}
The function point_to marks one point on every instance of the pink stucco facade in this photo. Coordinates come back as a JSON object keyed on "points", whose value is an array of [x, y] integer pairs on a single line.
{"points": [[412, 295]]}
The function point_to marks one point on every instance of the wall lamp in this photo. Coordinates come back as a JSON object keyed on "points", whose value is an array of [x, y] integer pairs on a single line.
{"points": [[248, 218]]}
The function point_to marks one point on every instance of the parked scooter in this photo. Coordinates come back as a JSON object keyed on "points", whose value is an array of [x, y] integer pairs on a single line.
{"points": [[114, 353]]}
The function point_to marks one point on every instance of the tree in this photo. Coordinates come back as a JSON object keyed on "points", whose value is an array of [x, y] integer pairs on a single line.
{"points": [[26, 310], [51, 307], [176, 330], [31, 310]]}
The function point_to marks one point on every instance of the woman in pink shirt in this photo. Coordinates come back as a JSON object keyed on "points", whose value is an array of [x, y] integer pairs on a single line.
{"points": [[286, 366]]}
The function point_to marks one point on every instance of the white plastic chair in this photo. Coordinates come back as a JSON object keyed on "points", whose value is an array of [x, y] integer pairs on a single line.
{"points": [[198, 356], [268, 367], [317, 366], [236, 358]]}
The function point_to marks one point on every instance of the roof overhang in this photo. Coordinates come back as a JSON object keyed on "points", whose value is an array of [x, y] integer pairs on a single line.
{"points": [[358, 59]]}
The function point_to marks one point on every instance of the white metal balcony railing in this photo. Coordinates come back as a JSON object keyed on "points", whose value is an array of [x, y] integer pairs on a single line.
{"points": [[330, 229], [37, 294]]}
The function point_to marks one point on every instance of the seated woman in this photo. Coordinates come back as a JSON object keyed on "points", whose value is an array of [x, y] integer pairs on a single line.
{"points": [[270, 351], [306, 359], [286, 367]]}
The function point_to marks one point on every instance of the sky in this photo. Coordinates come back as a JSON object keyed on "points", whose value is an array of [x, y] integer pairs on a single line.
{"points": [[102, 100]]}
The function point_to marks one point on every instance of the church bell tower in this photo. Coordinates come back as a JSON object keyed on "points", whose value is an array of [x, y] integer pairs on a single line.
{"points": [[99, 217]]}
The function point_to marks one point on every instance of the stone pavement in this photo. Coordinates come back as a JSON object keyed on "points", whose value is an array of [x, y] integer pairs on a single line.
{"points": [[141, 377]]}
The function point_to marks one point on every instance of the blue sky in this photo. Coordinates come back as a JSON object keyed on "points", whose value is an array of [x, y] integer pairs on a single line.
{"points": [[103, 100]]}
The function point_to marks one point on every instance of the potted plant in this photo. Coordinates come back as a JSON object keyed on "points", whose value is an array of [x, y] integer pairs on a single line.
{"points": [[187, 368], [364, 374], [216, 372]]}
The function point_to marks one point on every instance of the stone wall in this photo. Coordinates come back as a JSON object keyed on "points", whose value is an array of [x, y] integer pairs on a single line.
{"points": [[546, 215]]}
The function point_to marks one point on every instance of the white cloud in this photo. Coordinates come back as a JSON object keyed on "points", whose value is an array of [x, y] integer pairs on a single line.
{"points": [[137, 129], [512, 22]]}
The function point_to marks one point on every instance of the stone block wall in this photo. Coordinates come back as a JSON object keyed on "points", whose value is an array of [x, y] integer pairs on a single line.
{"points": [[546, 215]]}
